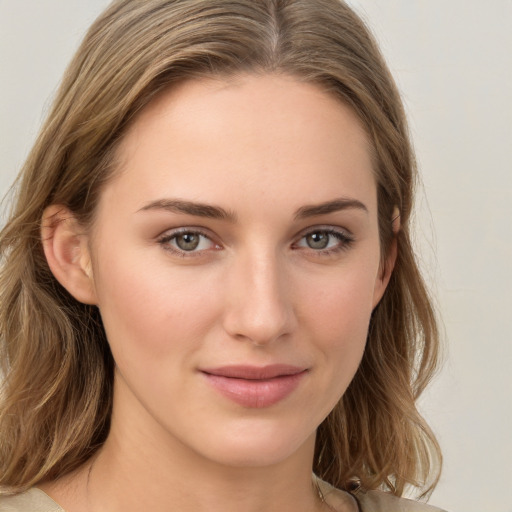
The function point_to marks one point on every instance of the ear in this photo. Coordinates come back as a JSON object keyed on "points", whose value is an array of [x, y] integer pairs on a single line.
{"points": [[388, 263], [66, 247]]}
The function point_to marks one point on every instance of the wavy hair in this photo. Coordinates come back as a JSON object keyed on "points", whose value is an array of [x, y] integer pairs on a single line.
{"points": [[56, 396]]}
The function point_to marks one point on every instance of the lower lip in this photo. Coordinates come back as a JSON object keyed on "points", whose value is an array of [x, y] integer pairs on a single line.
{"points": [[255, 393]]}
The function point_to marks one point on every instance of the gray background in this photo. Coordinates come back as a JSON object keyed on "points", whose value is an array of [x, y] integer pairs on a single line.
{"points": [[453, 63]]}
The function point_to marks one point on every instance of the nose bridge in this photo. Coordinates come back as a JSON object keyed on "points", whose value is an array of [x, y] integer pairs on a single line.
{"points": [[259, 303]]}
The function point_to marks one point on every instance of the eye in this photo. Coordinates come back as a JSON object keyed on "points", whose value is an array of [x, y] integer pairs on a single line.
{"points": [[326, 240], [187, 241]]}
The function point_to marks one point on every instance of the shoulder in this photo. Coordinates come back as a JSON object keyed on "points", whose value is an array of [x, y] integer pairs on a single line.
{"points": [[33, 500], [370, 501], [378, 501]]}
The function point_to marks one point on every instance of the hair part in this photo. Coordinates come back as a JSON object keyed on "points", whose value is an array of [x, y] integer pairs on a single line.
{"points": [[56, 398]]}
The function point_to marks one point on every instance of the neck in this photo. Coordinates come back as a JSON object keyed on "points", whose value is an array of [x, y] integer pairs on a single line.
{"points": [[143, 467], [160, 481]]}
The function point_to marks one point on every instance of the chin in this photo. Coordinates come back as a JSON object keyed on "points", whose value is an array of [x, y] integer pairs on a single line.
{"points": [[258, 444]]}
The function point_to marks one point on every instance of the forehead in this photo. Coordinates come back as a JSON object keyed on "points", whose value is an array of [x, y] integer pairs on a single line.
{"points": [[240, 139]]}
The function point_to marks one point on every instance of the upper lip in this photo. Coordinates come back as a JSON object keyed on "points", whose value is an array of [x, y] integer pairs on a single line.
{"points": [[254, 372]]}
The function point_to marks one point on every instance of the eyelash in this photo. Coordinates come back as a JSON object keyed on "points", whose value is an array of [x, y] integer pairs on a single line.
{"points": [[345, 241], [166, 239]]}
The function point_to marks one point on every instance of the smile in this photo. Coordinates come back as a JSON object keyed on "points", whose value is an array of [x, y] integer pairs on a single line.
{"points": [[255, 387]]}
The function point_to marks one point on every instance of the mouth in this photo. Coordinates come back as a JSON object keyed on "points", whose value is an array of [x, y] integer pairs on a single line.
{"points": [[255, 387]]}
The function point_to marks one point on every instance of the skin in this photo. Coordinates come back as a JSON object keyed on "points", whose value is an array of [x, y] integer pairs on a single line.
{"points": [[259, 289]]}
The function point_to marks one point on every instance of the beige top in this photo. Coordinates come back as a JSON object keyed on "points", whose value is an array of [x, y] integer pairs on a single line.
{"points": [[36, 500]]}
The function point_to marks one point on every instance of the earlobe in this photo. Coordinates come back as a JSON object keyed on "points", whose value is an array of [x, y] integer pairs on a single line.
{"points": [[67, 252], [388, 264]]}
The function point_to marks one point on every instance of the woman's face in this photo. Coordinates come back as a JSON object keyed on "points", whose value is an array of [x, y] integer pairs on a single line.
{"points": [[236, 265]]}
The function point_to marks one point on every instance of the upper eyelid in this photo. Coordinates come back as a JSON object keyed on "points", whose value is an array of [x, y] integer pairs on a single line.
{"points": [[172, 232], [327, 228]]}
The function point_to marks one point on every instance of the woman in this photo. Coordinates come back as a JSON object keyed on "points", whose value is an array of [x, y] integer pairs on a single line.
{"points": [[208, 290]]}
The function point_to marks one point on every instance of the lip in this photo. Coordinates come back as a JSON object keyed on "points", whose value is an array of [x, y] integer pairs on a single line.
{"points": [[255, 386]]}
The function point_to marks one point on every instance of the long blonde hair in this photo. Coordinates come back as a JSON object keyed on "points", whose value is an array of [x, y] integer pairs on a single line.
{"points": [[56, 397]]}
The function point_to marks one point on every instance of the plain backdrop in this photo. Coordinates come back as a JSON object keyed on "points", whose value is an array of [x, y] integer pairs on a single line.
{"points": [[453, 62]]}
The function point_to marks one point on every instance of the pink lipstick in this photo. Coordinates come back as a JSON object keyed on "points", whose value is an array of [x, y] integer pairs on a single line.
{"points": [[253, 386]]}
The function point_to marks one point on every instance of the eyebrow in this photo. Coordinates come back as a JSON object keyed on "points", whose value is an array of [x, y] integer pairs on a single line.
{"points": [[216, 212], [190, 208], [329, 207]]}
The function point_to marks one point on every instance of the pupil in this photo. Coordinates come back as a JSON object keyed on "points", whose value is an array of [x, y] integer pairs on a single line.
{"points": [[318, 240], [187, 241]]}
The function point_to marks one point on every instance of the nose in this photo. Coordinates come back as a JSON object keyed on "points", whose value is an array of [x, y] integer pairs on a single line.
{"points": [[258, 303]]}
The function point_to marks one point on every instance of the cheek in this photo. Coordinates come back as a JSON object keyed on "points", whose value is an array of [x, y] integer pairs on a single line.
{"points": [[338, 314], [342, 304], [149, 311]]}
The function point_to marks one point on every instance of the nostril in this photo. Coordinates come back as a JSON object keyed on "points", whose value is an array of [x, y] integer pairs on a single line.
{"points": [[259, 327]]}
